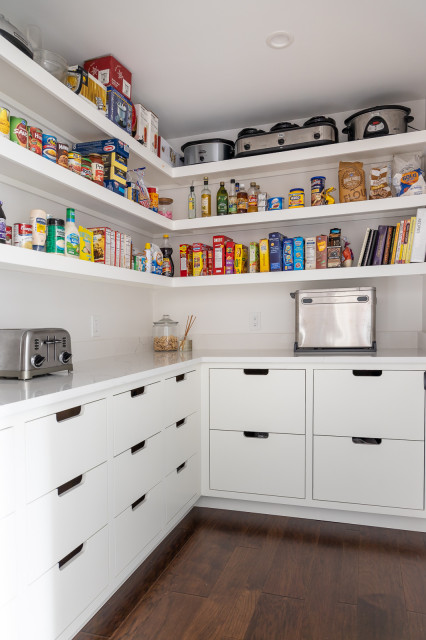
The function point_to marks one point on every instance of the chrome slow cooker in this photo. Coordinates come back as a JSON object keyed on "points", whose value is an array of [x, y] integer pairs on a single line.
{"points": [[211, 150], [377, 121]]}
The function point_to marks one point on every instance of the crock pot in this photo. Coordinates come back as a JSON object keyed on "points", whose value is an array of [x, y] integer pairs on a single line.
{"points": [[211, 150], [377, 121]]}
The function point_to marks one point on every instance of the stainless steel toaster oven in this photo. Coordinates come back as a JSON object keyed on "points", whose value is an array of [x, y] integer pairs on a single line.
{"points": [[335, 320]]}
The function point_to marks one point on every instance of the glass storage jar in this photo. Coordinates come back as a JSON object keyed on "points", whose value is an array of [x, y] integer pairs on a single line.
{"points": [[166, 334], [165, 207]]}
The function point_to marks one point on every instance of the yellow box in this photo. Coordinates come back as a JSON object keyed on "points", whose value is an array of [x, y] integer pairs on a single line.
{"points": [[240, 260], [86, 244], [264, 255]]}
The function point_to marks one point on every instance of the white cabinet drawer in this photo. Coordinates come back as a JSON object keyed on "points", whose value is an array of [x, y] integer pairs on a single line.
{"points": [[137, 470], [63, 518], [137, 415], [8, 559], [7, 471], [374, 404], [390, 474], [182, 484], [181, 396], [182, 440], [273, 465], [257, 399], [61, 594], [137, 525], [59, 447]]}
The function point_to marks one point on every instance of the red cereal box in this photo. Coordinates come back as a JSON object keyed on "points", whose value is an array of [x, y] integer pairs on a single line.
{"points": [[209, 260], [200, 259], [186, 260], [219, 254]]}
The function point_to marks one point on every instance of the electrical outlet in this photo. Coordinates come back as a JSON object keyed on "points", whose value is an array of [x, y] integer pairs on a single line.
{"points": [[96, 326], [254, 320]]}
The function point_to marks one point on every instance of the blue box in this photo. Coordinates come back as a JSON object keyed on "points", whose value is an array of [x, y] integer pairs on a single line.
{"points": [[288, 254], [102, 146], [119, 109], [115, 186], [276, 251], [299, 253]]}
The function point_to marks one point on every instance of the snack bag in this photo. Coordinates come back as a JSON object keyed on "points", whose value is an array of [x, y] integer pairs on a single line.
{"points": [[380, 182], [135, 176], [408, 177]]}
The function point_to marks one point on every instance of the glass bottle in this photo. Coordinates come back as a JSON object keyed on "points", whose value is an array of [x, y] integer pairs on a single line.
{"points": [[222, 201], [166, 250], [232, 198], [206, 200], [252, 198], [72, 236], [242, 200], [192, 210], [2, 225]]}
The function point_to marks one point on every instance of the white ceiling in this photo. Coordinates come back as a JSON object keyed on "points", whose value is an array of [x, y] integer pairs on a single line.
{"points": [[204, 66]]}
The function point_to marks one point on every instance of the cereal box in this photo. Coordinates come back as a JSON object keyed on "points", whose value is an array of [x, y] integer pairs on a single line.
{"points": [[101, 244], [185, 260], [254, 257], [288, 254], [310, 253], [117, 247], [264, 255], [219, 254], [199, 259], [230, 256], [209, 250], [321, 254], [299, 253], [240, 258], [276, 251], [127, 252]]}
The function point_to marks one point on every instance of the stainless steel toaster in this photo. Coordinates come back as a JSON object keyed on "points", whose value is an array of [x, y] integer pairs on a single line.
{"points": [[25, 353], [335, 320]]}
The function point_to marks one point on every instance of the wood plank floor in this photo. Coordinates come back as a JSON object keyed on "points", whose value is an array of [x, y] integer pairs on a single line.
{"points": [[227, 575]]}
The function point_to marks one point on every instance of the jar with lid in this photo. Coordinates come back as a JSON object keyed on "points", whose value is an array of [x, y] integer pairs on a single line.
{"points": [[165, 207], [166, 334]]}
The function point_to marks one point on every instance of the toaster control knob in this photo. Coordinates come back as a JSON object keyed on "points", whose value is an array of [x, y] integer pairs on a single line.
{"points": [[317, 135], [65, 357], [201, 158], [281, 140], [37, 361], [246, 146]]}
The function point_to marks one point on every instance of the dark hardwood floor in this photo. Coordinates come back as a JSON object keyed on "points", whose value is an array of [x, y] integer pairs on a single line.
{"points": [[227, 575]]}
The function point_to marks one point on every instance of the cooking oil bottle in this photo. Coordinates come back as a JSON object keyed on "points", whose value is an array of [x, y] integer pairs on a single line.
{"points": [[206, 200]]}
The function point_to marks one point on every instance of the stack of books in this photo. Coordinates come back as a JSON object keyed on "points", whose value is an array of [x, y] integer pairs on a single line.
{"points": [[400, 244]]}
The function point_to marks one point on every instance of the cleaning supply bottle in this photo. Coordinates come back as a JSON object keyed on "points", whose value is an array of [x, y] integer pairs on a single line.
{"points": [[148, 257], [72, 236], [166, 250]]}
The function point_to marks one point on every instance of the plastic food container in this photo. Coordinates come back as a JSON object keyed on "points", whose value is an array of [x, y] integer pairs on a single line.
{"points": [[165, 207], [52, 62], [166, 334]]}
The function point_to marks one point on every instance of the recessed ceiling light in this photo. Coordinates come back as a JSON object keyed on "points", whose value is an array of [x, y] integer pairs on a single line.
{"points": [[279, 40]]}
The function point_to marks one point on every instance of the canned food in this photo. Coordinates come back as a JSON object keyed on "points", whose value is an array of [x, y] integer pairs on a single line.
{"points": [[74, 162], [35, 140], [97, 166], [275, 203], [296, 198], [4, 122], [18, 131], [55, 242], [86, 168], [317, 191], [23, 235], [49, 147], [62, 150], [8, 235]]}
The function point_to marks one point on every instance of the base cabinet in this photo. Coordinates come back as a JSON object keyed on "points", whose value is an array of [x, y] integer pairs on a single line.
{"points": [[387, 473], [272, 464], [181, 485]]}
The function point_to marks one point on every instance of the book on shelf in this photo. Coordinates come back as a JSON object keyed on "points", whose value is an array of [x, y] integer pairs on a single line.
{"points": [[364, 244], [367, 248], [380, 245], [395, 242], [388, 245], [372, 248], [410, 240], [418, 251]]}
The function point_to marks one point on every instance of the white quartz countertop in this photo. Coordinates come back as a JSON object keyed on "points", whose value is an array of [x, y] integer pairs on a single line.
{"points": [[103, 373]]}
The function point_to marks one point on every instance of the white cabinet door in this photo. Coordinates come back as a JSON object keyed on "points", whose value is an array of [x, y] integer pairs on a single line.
{"points": [[137, 415], [137, 470], [7, 471], [270, 400], [182, 440], [62, 519], [64, 592], [374, 404], [182, 484], [137, 525], [8, 559], [389, 474], [273, 464], [59, 448], [182, 396]]}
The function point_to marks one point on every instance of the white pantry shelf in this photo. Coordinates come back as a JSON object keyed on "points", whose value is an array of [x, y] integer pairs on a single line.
{"points": [[17, 259]]}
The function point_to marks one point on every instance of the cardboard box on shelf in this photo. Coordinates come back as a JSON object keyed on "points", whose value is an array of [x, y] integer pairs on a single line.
{"points": [[168, 154], [240, 259], [310, 253], [288, 254], [219, 258], [186, 264], [119, 109], [146, 128], [110, 71], [200, 267], [264, 255], [101, 244], [254, 257], [87, 87], [108, 146], [321, 254]]}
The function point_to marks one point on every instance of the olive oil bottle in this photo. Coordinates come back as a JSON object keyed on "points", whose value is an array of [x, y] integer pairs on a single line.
{"points": [[206, 200], [222, 201]]}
